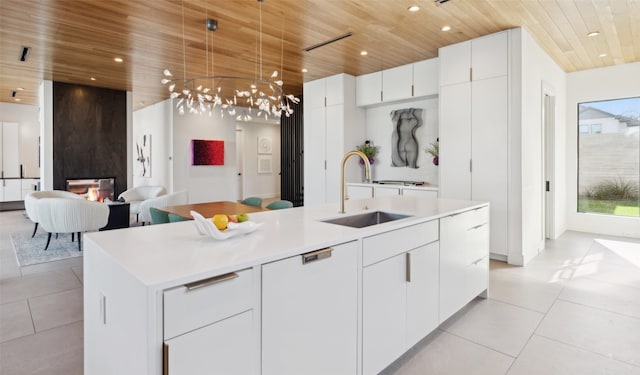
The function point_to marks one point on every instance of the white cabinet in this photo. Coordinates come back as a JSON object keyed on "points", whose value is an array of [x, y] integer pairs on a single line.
{"points": [[210, 328], [10, 190], [399, 292], [10, 152], [309, 313], [464, 259], [474, 125], [400, 83], [369, 89], [397, 83], [425, 77], [28, 185], [359, 192], [417, 192], [333, 125], [385, 191], [219, 348]]}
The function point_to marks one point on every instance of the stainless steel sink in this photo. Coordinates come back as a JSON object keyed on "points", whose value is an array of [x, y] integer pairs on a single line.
{"points": [[365, 220]]}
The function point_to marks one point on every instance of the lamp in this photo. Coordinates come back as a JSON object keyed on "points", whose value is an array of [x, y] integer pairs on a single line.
{"points": [[226, 93]]}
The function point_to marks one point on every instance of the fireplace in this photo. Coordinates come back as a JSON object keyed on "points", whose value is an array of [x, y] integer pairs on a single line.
{"points": [[93, 189]]}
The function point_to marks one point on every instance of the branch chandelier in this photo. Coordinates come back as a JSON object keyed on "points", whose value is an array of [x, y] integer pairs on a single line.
{"points": [[233, 95]]}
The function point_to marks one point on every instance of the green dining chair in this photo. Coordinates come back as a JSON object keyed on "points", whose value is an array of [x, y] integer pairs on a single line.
{"points": [[175, 218], [158, 216], [252, 201], [278, 205]]}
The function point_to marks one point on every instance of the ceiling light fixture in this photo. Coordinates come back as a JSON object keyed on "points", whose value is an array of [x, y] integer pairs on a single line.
{"points": [[17, 99], [93, 78], [594, 33], [118, 59], [413, 8], [364, 53], [20, 88], [446, 28], [304, 70], [226, 93], [603, 55]]}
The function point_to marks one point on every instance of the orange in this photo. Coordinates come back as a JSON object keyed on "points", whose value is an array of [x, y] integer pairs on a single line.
{"points": [[220, 221]]}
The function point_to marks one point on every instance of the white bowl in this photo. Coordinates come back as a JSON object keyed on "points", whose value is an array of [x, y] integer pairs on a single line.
{"points": [[206, 227]]}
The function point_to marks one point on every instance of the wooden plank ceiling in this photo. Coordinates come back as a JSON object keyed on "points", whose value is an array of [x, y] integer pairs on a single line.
{"points": [[74, 40]]}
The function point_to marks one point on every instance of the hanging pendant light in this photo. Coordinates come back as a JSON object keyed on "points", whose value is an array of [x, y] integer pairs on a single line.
{"points": [[246, 93]]}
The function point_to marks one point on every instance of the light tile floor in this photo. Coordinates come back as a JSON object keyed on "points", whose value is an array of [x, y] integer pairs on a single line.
{"points": [[574, 309]]}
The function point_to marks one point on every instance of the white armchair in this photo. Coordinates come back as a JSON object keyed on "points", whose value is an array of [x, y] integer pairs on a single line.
{"points": [[172, 199], [32, 200], [136, 195], [68, 215]]}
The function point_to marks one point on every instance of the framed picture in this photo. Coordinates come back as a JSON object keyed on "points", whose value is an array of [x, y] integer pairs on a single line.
{"points": [[143, 156], [264, 163], [207, 152], [264, 145]]}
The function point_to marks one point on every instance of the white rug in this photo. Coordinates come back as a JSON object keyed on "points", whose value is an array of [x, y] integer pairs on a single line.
{"points": [[31, 250]]}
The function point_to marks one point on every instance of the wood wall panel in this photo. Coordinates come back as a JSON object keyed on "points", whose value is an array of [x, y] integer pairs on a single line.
{"points": [[89, 134]]}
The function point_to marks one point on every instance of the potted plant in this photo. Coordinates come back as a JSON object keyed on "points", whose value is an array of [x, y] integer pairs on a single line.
{"points": [[369, 150], [434, 150]]}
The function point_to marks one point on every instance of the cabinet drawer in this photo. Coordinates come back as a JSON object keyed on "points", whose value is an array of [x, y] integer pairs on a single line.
{"points": [[207, 301], [386, 245], [477, 275], [473, 218]]}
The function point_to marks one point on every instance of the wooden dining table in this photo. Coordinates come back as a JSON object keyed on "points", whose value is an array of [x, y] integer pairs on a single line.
{"points": [[208, 209]]}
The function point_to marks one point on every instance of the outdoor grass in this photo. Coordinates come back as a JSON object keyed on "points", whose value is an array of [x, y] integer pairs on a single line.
{"points": [[618, 208]]}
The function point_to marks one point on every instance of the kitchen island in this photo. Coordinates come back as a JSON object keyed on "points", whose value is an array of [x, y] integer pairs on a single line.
{"points": [[298, 295]]}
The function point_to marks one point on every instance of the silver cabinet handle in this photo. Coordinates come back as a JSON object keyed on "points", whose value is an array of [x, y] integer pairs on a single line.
{"points": [[477, 261], [316, 255], [408, 267], [210, 281], [477, 226]]}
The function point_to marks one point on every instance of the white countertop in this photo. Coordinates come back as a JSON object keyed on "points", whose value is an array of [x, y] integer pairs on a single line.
{"points": [[161, 256], [426, 186]]}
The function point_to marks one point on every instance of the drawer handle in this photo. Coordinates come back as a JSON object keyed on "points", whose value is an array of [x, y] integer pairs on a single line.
{"points": [[477, 261], [210, 281], [477, 226], [316, 255]]}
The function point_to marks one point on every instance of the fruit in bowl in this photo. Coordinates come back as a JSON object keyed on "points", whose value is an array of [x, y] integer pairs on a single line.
{"points": [[220, 221], [233, 218], [242, 218]]}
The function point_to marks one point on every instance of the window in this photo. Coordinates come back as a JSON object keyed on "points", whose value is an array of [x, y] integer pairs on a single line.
{"points": [[609, 157]]}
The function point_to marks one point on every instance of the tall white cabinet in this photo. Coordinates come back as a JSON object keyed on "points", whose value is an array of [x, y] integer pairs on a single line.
{"points": [[10, 186], [474, 124], [333, 125]]}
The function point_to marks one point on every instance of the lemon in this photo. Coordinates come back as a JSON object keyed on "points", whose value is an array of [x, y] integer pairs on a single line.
{"points": [[220, 221]]}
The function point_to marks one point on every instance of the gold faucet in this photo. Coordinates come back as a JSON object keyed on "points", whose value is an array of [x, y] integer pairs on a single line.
{"points": [[367, 173]]}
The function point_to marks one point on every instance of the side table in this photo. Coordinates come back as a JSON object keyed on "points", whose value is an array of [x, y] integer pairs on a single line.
{"points": [[118, 216]]}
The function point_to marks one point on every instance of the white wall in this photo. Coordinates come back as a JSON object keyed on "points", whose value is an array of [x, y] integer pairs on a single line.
{"points": [[539, 73], [620, 81], [155, 120], [264, 185], [204, 183], [379, 129], [28, 118]]}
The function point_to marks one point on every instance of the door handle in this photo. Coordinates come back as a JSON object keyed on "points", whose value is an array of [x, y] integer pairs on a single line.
{"points": [[317, 255]]}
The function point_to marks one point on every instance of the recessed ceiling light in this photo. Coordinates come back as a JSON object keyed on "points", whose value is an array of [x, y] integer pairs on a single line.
{"points": [[364, 53], [304, 70], [93, 78], [141, 102], [118, 59], [594, 33], [446, 28], [20, 88], [603, 55], [413, 8], [17, 99]]}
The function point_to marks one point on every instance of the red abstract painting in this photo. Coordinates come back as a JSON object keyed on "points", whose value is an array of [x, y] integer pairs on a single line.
{"points": [[206, 152]]}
